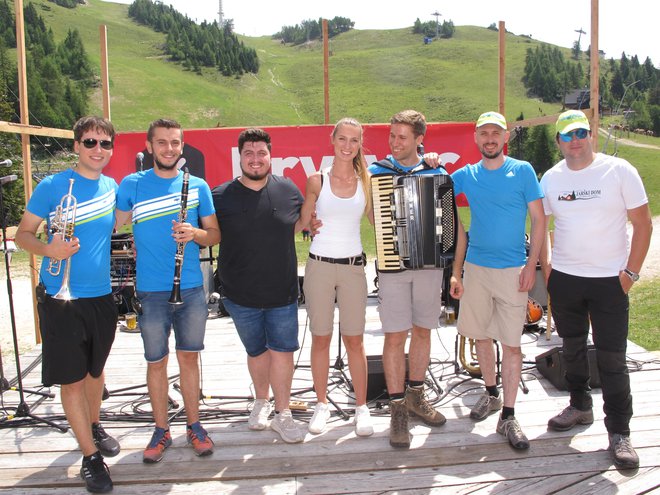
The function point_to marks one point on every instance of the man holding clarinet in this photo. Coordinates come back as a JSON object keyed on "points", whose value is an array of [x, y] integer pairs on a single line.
{"points": [[168, 209]]}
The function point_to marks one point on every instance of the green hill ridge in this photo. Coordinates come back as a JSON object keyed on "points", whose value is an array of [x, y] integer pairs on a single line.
{"points": [[373, 74]]}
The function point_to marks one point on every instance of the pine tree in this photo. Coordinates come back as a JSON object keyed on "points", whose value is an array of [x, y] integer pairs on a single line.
{"points": [[540, 150]]}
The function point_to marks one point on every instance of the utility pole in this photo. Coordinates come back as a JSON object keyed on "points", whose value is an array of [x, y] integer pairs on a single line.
{"points": [[577, 49], [437, 23]]}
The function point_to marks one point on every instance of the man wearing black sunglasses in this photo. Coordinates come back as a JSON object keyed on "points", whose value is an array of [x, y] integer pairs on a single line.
{"points": [[78, 333], [591, 270]]}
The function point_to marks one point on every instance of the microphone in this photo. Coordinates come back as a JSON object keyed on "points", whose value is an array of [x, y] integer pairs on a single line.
{"points": [[6, 163], [180, 163], [7, 179], [140, 157]]}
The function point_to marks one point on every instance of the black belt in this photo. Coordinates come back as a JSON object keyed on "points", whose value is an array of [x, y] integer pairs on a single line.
{"points": [[353, 260]]}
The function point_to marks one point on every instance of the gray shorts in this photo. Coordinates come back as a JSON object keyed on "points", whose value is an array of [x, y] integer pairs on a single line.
{"points": [[491, 306], [411, 297]]}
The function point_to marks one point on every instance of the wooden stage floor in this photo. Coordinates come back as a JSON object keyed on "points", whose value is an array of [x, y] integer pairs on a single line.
{"points": [[460, 457]]}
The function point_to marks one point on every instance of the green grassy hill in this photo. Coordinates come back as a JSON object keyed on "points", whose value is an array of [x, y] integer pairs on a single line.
{"points": [[373, 74]]}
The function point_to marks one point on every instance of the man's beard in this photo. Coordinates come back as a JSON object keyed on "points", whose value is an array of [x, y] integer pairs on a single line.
{"points": [[162, 166], [491, 155], [255, 175]]}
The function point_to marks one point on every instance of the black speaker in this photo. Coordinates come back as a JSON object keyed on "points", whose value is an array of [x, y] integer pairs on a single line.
{"points": [[551, 365], [376, 384]]}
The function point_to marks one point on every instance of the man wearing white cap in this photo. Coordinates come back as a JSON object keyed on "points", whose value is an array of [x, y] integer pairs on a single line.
{"points": [[592, 268], [497, 271]]}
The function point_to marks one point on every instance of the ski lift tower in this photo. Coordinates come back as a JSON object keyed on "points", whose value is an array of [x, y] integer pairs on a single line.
{"points": [[437, 24]]}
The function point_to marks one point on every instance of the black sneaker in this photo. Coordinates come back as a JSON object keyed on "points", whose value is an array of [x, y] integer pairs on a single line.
{"points": [[107, 445], [95, 474]]}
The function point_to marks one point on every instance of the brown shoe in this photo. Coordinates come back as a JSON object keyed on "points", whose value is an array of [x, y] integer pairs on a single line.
{"points": [[418, 406], [399, 433], [570, 417], [623, 452]]}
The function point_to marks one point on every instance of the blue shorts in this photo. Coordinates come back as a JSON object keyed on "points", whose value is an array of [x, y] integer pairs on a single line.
{"points": [[261, 329], [158, 317]]}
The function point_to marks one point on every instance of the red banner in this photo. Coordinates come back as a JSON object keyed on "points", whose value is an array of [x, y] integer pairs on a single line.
{"points": [[297, 152]]}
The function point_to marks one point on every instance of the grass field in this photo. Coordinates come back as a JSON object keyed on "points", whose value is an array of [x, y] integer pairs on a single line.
{"points": [[373, 74]]}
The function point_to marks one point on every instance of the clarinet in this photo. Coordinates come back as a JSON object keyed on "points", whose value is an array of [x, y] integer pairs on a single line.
{"points": [[175, 295]]}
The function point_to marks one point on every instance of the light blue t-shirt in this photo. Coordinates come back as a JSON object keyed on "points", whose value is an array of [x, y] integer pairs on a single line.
{"points": [[95, 220], [498, 205], [154, 203]]}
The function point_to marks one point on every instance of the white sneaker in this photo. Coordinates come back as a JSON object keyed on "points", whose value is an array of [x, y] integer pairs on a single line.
{"points": [[258, 419], [284, 424], [362, 420], [319, 419]]}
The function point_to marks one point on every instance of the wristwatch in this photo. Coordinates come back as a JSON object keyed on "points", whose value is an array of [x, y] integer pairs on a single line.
{"points": [[633, 276]]}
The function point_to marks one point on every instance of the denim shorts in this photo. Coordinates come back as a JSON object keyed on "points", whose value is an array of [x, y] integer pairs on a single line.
{"points": [[261, 329], [158, 317]]}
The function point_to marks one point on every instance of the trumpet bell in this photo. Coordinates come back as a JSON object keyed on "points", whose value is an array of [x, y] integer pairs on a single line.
{"points": [[64, 294]]}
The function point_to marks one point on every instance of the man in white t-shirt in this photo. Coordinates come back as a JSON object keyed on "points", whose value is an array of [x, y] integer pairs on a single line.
{"points": [[591, 197]]}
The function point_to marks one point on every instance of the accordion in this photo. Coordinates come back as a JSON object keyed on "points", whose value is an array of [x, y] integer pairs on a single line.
{"points": [[415, 220]]}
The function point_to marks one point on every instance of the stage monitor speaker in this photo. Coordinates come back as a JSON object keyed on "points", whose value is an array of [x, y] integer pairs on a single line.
{"points": [[376, 385], [551, 365]]}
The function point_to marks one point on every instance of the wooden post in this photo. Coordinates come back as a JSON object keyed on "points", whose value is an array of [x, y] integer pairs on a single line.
{"points": [[502, 69], [105, 77], [25, 142], [326, 79], [594, 94]]}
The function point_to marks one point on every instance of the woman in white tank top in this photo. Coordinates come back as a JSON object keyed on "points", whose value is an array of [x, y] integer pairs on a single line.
{"points": [[335, 269]]}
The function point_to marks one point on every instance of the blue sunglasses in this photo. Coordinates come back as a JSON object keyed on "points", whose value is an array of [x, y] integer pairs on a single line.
{"points": [[579, 133]]}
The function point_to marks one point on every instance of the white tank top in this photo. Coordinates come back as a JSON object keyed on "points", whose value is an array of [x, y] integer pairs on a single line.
{"points": [[339, 237]]}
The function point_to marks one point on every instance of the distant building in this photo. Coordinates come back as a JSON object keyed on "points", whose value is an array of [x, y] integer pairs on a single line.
{"points": [[577, 99]]}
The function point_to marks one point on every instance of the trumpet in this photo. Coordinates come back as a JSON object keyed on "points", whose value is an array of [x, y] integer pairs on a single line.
{"points": [[62, 225], [175, 295]]}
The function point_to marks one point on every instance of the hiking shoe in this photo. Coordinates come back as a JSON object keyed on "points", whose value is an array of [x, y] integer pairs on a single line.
{"points": [[160, 440], [570, 417], [622, 451], [199, 439], [284, 424], [95, 474], [485, 405], [400, 436], [362, 420], [319, 419], [511, 429], [258, 419], [108, 446], [418, 406]]}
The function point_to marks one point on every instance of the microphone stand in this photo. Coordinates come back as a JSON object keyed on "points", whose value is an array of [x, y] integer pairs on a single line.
{"points": [[22, 410]]}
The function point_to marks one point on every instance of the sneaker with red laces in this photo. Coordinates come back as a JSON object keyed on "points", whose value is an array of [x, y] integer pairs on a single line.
{"points": [[160, 440], [199, 439]]}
